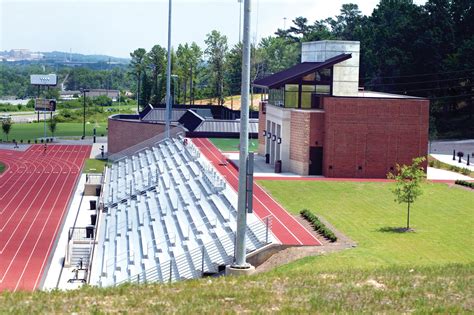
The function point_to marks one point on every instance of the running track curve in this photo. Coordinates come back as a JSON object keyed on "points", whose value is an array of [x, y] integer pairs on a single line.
{"points": [[284, 226], [34, 193]]}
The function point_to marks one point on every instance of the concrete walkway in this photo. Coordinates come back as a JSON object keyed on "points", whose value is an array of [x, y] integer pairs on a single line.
{"points": [[267, 172], [437, 174], [448, 159]]}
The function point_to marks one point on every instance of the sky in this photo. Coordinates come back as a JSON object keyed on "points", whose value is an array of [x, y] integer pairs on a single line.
{"points": [[117, 27]]}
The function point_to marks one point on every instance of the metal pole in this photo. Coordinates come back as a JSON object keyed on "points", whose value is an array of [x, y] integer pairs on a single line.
{"points": [[240, 21], [244, 136], [168, 77], [84, 116], [44, 119]]}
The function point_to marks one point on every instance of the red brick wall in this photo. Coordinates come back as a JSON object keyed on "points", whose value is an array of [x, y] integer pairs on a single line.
{"points": [[299, 141], [125, 133], [372, 134]]}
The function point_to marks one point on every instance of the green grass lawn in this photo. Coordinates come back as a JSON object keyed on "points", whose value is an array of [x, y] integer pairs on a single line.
{"points": [[2, 167], [428, 271], [94, 166], [31, 131], [443, 219], [229, 144]]}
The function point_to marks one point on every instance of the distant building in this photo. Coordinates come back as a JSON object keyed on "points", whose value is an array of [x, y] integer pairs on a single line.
{"points": [[93, 93], [20, 55], [316, 120]]}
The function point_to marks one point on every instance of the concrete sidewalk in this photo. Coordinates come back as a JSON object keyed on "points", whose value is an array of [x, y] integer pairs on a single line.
{"points": [[448, 159]]}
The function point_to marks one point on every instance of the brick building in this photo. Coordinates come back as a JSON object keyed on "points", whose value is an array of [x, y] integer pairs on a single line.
{"points": [[317, 121]]}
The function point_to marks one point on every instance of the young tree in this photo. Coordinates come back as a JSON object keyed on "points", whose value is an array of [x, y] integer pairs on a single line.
{"points": [[216, 51], [7, 126], [52, 124], [408, 188]]}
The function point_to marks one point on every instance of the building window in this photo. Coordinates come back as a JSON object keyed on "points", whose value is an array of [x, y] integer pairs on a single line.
{"points": [[323, 89], [306, 92], [291, 95], [275, 97]]}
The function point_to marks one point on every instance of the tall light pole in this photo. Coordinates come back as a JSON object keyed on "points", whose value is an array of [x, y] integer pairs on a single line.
{"points": [[240, 21], [240, 265], [168, 77], [84, 91]]}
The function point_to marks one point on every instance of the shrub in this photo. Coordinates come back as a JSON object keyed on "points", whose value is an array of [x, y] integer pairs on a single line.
{"points": [[318, 225], [464, 183], [465, 171]]}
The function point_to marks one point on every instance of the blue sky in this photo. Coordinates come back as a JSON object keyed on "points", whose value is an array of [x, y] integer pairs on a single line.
{"points": [[116, 27]]}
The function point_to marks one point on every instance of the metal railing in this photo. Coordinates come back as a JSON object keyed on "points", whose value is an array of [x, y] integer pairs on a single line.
{"points": [[79, 235], [172, 269], [94, 179]]}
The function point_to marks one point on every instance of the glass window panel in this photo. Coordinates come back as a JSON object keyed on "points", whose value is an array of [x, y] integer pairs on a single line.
{"points": [[291, 95], [306, 92], [323, 89]]}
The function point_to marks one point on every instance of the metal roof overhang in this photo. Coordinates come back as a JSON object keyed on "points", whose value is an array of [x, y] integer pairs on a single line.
{"points": [[298, 71]]}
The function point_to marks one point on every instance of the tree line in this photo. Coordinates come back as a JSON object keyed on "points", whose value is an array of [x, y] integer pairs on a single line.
{"points": [[419, 50]]}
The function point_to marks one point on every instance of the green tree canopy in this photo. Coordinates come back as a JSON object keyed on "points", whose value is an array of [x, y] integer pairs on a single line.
{"points": [[216, 52], [7, 126]]}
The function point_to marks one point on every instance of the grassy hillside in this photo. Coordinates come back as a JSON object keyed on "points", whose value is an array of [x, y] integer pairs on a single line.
{"points": [[439, 289], [428, 271]]}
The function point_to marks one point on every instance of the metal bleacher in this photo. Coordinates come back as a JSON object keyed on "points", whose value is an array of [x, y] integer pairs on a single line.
{"points": [[167, 216]]}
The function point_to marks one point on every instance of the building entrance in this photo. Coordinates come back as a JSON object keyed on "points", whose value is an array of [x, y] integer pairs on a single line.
{"points": [[316, 161]]}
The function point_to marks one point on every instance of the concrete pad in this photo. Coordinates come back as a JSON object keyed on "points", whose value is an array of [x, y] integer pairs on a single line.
{"points": [[437, 174], [96, 151], [232, 271], [262, 169], [11, 146]]}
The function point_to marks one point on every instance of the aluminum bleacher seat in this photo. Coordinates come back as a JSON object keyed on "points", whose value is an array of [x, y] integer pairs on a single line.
{"points": [[167, 206]]}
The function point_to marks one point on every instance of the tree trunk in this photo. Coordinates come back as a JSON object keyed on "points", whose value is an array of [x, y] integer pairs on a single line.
{"points": [[185, 88], [138, 95], [408, 217]]}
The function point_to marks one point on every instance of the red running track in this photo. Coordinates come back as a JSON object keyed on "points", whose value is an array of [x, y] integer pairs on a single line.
{"points": [[34, 193], [284, 226]]}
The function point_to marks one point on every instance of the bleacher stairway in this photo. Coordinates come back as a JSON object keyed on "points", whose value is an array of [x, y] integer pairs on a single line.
{"points": [[168, 215]]}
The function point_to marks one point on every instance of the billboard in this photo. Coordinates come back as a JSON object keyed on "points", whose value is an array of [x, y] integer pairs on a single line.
{"points": [[45, 105], [43, 79]]}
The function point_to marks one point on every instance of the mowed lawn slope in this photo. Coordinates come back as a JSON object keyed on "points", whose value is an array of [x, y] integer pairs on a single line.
{"points": [[443, 219], [428, 271]]}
